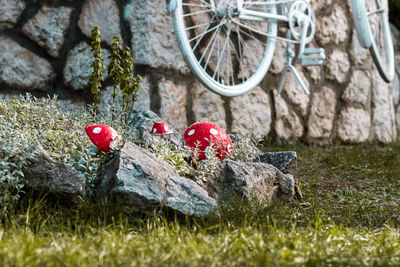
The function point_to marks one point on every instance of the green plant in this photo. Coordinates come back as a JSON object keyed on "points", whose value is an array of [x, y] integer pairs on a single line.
{"points": [[98, 67], [121, 70]]}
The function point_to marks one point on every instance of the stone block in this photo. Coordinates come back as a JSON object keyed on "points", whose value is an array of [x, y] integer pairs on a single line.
{"points": [[333, 28], [173, 101], [288, 125], [295, 93], [354, 125], [337, 66], [358, 90], [251, 113], [10, 10], [78, 68], [21, 68], [153, 37], [207, 105], [323, 107], [383, 114], [48, 28], [101, 13]]}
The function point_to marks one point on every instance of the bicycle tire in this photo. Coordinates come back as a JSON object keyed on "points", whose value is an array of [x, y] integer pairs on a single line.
{"points": [[379, 41], [205, 62]]}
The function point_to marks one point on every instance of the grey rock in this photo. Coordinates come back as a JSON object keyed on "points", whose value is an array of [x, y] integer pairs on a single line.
{"points": [[21, 68], [10, 10], [78, 68], [250, 180], [285, 161], [187, 197], [59, 179], [48, 28], [137, 180], [101, 13], [153, 38], [251, 113]]}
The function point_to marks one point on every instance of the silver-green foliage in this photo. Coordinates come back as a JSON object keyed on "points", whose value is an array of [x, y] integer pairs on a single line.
{"points": [[27, 122]]}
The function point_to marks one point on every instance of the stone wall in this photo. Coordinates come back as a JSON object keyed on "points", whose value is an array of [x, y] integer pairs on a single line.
{"points": [[45, 50]]}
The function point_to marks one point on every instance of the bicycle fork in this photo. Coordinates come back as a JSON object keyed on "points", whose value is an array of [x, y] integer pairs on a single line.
{"points": [[307, 56]]}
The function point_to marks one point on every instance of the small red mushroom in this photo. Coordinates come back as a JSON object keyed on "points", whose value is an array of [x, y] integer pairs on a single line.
{"points": [[201, 134], [160, 128], [103, 136]]}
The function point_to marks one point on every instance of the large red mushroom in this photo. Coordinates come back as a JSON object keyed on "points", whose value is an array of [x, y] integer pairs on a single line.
{"points": [[103, 136], [206, 134]]}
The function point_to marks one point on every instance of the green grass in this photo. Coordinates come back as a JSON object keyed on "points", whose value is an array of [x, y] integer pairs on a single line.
{"points": [[350, 215]]}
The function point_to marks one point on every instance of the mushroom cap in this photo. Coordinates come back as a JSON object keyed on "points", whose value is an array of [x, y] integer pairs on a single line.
{"points": [[103, 136], [204, 132], [160, 128]]}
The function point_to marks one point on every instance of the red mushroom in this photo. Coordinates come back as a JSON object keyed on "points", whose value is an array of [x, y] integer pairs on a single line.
{"points": [[201, 134], [160, 128], [103, 136]]}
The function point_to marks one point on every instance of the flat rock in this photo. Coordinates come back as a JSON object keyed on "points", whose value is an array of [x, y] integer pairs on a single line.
{"points": [[285, 161], [187, 197], [59, 179], [21, 68], [250, 180], [48, 28], [137, 180]]}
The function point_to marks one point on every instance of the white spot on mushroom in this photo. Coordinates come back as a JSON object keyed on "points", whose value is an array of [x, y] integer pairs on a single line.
{"points": [[154, 130], [191, 132], [166, 128], [97, 130], [213, 131]]}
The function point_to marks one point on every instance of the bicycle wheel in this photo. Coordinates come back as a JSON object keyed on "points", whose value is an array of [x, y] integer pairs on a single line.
{"points": [[373, 31], [228, 55]]}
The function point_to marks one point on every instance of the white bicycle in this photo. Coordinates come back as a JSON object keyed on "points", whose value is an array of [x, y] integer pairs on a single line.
{"points": [[229, 44]]}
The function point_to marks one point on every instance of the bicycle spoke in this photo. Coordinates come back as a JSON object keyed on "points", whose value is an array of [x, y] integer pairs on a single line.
{"points": [[205, 32], [220, 58], [195, 5], [198, 12]]}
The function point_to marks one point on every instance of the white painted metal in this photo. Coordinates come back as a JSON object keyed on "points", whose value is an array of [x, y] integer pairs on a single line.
{"points": [[379, 40], [212, 80]]}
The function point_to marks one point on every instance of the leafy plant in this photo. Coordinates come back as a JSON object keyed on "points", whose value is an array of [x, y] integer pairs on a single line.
{"points": [[98, 67], [121, 70]]}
